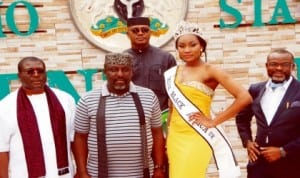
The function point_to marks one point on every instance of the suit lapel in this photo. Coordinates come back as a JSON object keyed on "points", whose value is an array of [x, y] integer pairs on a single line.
{"points": [[259, 112], [285, 101]]}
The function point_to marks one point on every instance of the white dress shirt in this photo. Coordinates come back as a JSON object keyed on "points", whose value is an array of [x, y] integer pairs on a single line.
{"points": [[272, 98]]}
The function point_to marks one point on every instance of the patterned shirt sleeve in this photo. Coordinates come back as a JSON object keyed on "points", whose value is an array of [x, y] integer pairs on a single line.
{"points": [[82, 116]]}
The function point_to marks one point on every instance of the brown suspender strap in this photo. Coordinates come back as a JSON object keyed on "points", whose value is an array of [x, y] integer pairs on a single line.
{"points": [[141, 113], [101, 140]]}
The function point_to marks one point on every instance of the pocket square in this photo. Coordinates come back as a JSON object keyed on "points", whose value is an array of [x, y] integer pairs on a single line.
{"points": [[295, 104]]}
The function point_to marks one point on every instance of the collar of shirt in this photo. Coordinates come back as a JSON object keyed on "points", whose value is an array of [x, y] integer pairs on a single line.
{"points": [[105, 92], [284, 86], [142, 50]]}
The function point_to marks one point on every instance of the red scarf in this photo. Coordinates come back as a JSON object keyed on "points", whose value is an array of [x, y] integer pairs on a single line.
{"points": [[31, 136]]}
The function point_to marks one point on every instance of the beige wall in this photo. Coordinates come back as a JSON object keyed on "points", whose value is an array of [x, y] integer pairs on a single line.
{"points": [[241, 51]]}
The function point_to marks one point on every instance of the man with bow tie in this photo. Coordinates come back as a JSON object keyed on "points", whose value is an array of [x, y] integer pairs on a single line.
{"points": [[274, 153]]}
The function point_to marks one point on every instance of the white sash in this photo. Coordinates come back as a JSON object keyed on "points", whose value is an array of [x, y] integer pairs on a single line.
{"points": [[215, 137]]}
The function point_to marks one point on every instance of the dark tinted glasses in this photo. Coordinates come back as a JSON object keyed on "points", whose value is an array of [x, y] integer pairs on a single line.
{"points": [[33, 71], [138, 30]]}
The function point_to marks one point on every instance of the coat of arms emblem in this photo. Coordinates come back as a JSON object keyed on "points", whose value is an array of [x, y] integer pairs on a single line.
{"points": [[103, 22]]}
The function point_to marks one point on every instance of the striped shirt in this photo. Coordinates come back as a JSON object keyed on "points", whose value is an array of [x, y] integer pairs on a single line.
{"points": [[123, 137]]}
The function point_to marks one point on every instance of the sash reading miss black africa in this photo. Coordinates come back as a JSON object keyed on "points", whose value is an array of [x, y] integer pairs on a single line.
{"points": [[215, 137]]}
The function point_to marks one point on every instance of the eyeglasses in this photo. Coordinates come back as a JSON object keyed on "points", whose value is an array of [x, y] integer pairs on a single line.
{"points": [[33, 71], [138, 30], [283, 65]]}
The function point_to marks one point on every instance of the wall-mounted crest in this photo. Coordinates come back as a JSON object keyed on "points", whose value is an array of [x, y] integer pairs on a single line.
{"points": [[103, 22]]}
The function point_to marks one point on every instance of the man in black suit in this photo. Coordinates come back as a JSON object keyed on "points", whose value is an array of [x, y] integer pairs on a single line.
{"points": [[275, 152]]}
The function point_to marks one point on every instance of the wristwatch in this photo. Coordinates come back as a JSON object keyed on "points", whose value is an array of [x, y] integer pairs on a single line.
{"points": [[282, 152]]}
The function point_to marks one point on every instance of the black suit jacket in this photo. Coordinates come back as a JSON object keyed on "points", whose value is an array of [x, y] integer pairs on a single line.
{"points": [[283, 131]]}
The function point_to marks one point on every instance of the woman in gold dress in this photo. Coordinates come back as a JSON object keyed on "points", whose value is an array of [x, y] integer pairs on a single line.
{"points": [[188, 152]]}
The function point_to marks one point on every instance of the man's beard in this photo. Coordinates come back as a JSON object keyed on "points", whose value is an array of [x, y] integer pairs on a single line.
{"points": [[279, 80], [276, 81], [120, 87]]}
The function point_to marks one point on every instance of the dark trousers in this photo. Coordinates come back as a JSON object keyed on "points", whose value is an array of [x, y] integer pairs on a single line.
{"points": [[277, 169]]}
